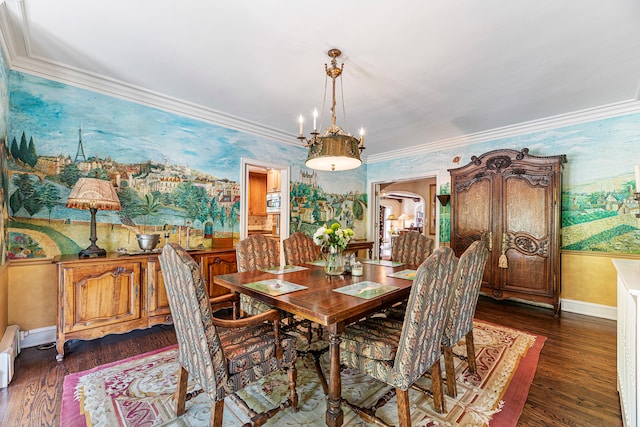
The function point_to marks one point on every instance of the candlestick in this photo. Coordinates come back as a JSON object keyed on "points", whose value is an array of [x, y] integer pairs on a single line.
{"points": [[301, 121], [361, 137], [315, 116]]}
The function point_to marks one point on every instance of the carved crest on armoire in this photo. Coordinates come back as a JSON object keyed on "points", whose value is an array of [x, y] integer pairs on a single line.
{"points": [[512, 201]]}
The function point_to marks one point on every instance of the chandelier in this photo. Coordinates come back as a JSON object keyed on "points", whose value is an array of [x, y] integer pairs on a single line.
{"points": [[333, 149]]}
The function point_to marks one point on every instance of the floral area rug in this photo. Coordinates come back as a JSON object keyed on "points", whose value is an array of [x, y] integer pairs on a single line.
{"points": [[138, 391]]}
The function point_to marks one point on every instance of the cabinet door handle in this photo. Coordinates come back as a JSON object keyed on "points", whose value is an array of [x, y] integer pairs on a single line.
{"points": [[490, 242]]}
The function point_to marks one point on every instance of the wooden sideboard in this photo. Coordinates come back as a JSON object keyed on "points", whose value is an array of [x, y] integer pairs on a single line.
{"points": [[120, 293], [356, 246]]}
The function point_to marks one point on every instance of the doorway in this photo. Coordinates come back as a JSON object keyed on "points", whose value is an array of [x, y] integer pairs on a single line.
{"points": [[251, 167], [401, 205]]}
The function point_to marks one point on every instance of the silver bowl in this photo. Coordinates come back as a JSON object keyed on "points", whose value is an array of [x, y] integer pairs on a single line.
{"points": [[148, 242]]}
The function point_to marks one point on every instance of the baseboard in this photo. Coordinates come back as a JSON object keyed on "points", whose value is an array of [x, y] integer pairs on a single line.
{"points": [[9, 350], [38, 336], [589, 309]]}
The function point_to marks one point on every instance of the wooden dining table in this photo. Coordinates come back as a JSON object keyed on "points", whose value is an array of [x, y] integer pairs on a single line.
{"points": [[320, 303]]}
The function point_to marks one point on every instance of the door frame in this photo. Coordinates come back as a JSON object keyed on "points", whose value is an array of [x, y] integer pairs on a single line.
{"points": [[285, 173], [374, 195]]}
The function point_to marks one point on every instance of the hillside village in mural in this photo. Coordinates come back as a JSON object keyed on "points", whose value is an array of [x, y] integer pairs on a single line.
{"points": [[600, 216], [158, 197]]}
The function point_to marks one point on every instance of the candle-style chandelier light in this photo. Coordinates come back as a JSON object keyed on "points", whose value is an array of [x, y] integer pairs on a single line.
{"points": [[333, 149]]}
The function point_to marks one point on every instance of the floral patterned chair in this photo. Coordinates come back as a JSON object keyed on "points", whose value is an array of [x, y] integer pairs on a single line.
{"points": [[253, 253], [411, 248], [299, 249], [467, 281], [399, 352], [223, 356]]}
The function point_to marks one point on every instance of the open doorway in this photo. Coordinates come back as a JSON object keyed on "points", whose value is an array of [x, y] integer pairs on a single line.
{"points": [[264, 199], [401, 206]]}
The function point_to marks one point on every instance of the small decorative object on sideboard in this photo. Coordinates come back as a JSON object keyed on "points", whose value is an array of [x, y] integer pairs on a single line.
{"points": [[147, 242]]}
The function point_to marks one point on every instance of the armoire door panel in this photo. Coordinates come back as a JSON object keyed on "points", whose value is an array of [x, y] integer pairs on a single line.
{"points": [[473, 213], [526, 208]]}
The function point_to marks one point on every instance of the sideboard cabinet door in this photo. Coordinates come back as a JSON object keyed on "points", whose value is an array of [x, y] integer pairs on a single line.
{"points": [[512, 201], [214, 264]]}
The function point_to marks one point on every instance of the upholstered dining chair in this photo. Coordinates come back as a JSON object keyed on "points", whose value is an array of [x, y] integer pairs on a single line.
{"points": [[299, 248], [223, 356], [399, 352], [254, 253], [411, 248], [467, 281]]}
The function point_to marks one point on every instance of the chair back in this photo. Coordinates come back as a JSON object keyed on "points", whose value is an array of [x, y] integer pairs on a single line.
{"points": [[427, 308], [299, 248], [411, 248], [467, 281], [199, 346], [255, 252]]}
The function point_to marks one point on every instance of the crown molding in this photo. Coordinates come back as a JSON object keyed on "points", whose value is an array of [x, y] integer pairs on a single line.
{"points": [[15, 42], [548, 123], [111, 87]]}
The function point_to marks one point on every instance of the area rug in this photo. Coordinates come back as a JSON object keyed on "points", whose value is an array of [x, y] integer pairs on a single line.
{"points": [[137, 391]]}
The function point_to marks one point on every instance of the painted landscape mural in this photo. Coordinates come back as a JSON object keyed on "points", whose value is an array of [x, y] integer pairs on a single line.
{"points": [[174, 176], [598, 204]]}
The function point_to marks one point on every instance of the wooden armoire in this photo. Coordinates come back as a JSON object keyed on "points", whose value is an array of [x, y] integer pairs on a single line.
{"points": [[512, 201]]}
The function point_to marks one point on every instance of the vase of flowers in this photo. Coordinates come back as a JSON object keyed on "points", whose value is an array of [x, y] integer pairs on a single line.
{"points": [[333, 240]]}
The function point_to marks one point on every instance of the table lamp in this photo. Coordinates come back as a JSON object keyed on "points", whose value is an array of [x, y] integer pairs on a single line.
{"points": [[93, 194]]}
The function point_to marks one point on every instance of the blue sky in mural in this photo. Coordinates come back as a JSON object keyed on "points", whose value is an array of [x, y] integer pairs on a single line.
{"points": [[595, 151], [128, 132]]}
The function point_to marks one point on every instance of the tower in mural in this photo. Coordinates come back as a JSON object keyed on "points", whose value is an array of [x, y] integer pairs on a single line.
{"points": [[80, 151]]}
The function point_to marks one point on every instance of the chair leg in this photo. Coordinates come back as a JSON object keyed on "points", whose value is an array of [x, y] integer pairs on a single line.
{"points": [[450, 371], [404, 415], [217, 410], [439, 403], [471, 351], [181, 391], [292, 373]]}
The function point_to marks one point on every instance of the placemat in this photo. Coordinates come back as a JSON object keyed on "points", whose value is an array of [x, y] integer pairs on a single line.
{"points": [[274, 287]]}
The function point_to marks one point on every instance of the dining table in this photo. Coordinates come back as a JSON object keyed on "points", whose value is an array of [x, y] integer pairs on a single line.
{"points": [[331, 301]]}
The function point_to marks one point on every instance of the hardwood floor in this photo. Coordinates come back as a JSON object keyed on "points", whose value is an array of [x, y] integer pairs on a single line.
{"points": [[574, 385]]}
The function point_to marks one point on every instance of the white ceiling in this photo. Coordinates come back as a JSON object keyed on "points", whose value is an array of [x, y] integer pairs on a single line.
{"points": [[416, 71]]}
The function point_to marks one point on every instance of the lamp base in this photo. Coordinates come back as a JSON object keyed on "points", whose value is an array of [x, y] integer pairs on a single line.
{"points": [[92, 251]]}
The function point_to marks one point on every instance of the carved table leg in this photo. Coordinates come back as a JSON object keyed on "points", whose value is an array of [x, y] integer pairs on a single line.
{"points": [[334, 416]]}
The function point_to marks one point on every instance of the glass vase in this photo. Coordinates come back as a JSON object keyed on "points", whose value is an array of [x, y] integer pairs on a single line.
{"points": [[334, 263]]}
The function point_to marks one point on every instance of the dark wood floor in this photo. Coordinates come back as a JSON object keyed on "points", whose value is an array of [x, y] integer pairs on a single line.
{"points": [[575, 383]]}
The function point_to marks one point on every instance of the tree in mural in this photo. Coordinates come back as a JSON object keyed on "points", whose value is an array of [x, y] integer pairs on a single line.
{"points": [[49, 196], [33, 197], [233, 216], [31, 157], [70, 175], [24, 196], [194, 200], [15, 151], [149, 206], [214, 208]]}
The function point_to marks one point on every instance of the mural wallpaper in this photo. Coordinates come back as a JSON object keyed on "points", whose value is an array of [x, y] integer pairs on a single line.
{"points": [[4, 120], [598, 205], [174, 175]]}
